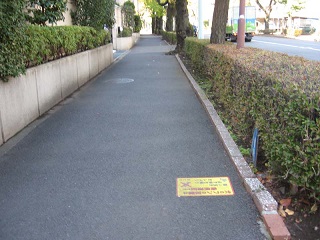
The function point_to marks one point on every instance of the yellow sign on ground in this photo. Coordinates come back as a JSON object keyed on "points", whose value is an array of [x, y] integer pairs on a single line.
{"points": [[210, 186]]}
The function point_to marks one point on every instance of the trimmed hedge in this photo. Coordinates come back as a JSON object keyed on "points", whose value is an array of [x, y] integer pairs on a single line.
{"points": [[170, 37], [126, 32], [49, 43], [274, 92], [44, 44]]}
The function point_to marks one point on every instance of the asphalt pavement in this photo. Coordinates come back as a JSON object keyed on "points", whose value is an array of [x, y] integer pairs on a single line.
{"points": [[105, 164]]}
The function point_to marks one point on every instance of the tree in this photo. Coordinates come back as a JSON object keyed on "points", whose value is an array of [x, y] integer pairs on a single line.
{"points": [[94, 13], [137, 23], [291, 5], [182, 24], [42, 11], [171, 13], [128, 11], [219, 20], [157, 11], [267, 9]]}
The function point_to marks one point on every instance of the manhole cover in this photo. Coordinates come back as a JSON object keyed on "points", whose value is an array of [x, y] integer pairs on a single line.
{"points": [[121, 80]]}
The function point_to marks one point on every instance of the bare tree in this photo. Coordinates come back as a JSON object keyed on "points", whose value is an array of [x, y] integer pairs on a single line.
{"points": [[267, 9], [219, 21]]}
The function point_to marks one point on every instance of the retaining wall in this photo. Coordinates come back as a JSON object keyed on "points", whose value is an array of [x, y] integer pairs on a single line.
{"points": [[125, 43], [25, 98]]}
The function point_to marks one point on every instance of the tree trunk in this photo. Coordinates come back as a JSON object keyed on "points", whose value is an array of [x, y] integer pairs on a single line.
{"points": [[219, 21], [267, 10], [159, 25], [266, 23], [171, 13], [153, 25], [182, 20]]}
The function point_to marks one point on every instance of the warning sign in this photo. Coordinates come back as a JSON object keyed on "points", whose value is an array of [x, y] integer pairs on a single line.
{"points": [[213, 186]]}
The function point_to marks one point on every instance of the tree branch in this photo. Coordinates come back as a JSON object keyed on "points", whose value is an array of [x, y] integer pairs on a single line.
{"points": [[162, 4]]}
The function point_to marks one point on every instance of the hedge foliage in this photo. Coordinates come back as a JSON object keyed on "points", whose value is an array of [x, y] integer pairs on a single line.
{"points": [[274, 92], [12, 38], [49, 43], [126, 32], [44, 44], [170, 37]]}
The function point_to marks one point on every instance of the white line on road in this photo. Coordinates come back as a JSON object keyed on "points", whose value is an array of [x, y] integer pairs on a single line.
{"points": [[287, 45]]}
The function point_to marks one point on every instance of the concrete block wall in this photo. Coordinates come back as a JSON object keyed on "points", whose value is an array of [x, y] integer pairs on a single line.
{"points": [[18, 103], [126, 43], [25, 98], [83, 72]]}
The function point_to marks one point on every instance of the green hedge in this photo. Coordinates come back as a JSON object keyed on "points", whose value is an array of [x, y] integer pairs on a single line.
{"points": [[126, 32], [274, 92], [170, 37], [49, 43], [12, 38], [43, 44]]}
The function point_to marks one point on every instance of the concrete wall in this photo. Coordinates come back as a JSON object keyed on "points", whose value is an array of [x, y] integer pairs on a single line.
{"points": [[125, 43], [135, 37], [25, 98]]}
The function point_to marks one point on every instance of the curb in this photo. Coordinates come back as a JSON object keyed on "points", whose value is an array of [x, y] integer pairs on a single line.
{"points": [[263, 200]]}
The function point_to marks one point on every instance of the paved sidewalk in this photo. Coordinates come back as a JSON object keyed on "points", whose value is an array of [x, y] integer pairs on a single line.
{"points": [[104, 166]]}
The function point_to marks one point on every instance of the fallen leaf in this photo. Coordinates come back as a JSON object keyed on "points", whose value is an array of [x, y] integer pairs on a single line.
{"points": [[285, 202], [298, 220], [281, 212], [289, 212], [314, 208]]}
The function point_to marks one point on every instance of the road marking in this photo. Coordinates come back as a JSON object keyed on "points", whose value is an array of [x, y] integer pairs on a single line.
{"points": [[287, 45], [210, 186]]}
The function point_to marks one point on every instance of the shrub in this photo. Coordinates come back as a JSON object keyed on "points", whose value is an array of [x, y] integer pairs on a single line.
{"points": [[294, 32], [12, 38], [126, 32], [48, 43], [274, 92], [44, 44], [170, 37], [137, 24], [128, 10]]}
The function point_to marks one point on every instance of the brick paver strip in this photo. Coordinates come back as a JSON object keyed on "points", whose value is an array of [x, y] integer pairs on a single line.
{"points": [[276, 227]]}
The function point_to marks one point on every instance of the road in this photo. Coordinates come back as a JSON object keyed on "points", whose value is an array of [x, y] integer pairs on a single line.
{"points": [[295, 47]]}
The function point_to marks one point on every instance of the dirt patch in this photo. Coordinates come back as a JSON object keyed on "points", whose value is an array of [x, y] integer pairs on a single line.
{"points": [[299, 213]]}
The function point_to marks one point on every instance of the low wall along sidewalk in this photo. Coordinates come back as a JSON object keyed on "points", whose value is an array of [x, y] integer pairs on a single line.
{"points": [[25, 98], [126, 43]]}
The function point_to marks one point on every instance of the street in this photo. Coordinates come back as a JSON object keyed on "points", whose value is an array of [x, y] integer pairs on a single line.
{"points": [[294, 47]]}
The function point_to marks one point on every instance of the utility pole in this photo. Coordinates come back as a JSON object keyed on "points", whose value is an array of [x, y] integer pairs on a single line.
{"points": [[241, 25], [200, 20]]}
